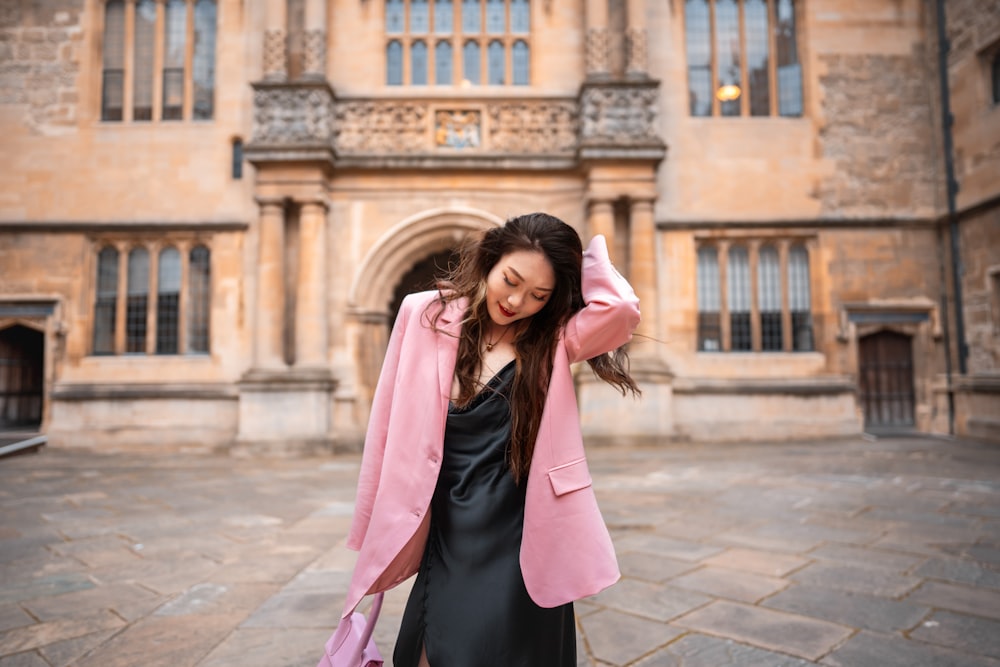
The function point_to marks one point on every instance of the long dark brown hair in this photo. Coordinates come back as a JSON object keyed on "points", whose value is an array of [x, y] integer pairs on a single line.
{"points": [[535, 338]]}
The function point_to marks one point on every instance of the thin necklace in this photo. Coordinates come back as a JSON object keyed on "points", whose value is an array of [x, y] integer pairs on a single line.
{"points": [[491, 345]]}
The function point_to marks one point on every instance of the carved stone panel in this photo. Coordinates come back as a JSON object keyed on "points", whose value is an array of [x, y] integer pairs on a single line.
{"points": [[292, 114], [534, 127], [619, 114], [381, 127]]}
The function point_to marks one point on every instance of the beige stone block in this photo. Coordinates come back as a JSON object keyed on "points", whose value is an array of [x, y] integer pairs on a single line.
{"points": [[42, 634]]}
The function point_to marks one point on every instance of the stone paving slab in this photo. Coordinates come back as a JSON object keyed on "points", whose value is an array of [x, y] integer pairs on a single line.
{"points": [[845, 553]]}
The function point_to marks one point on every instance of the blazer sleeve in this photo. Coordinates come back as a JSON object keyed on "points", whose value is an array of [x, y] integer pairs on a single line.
{"points": [[611, 310], [375, 437]]}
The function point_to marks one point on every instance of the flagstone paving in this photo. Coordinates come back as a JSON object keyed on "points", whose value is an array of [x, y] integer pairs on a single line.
{"points": [[843, 553]]}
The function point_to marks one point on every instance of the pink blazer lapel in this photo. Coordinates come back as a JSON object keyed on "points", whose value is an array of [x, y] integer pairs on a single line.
{"points": [[449, 327]]}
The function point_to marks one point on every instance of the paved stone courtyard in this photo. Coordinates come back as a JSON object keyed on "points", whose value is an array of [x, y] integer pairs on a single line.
{"points": [[847, 553]]}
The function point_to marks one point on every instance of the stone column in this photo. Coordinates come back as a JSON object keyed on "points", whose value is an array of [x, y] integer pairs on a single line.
{"points": [[310, 304], [315, 40], [270, 315], [635, 40], [601, 220], [642, 268], [275, 51], [597, 39]]}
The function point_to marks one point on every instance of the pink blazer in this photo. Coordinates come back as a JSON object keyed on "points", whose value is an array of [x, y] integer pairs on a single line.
{"points": [[566, 551]]}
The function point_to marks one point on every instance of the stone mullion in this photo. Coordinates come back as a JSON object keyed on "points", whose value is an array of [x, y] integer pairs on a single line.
{"points": [[153, 298], [128, 75], [182, 299], [755, 324], [725, 327], [119, 346], [786, 312]]}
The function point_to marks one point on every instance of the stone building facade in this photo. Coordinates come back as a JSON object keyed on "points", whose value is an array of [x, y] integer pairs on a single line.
{"points": [[211, 208]]}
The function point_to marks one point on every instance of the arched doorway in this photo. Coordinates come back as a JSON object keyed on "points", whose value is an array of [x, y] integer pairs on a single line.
{"points": [[22, 364], [422, 276], [885, 370]]}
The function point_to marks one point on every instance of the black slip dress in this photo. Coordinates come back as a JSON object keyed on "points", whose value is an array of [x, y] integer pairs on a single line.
{"points": [[468, 604]]}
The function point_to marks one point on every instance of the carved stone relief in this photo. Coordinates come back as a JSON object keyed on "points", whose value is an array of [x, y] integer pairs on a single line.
{"points": [[619, 114], [635, 40], [292, 115], [597, 51], [275, 65], [457, 128], [368, 126], [534, 127], [315, 52]]}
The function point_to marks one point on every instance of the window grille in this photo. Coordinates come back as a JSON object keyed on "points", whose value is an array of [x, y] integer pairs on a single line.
{"points": [[742, 58]]}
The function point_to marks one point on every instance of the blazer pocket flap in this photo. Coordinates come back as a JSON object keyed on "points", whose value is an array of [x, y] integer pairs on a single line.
{"points": [[571, 476]]}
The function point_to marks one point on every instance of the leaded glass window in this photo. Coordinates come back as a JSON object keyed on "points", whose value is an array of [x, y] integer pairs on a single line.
{"points": [[470, 61], [769, 298], [203, 63], [175, 40], [521, 62], [137, 300], [473, 42], [418, 63], [774, 321], [798, 298], [496, 64], [738, 278], [181, 281], [199, 293], [753, 47], [442, 64], [106, 303], [113, 72], [143, 46], [168, 298], [709, 330]]}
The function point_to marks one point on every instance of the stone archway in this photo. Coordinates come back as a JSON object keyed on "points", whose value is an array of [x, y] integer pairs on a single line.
{"points": [[394, 255]]}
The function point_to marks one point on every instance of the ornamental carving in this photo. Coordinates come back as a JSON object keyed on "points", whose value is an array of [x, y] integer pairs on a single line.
{"points": [[534, 127], [597, 51], [275, 63], [292, 114], [381, 127], [457, 128], [315, 52], [619, 114], [635, 41]]}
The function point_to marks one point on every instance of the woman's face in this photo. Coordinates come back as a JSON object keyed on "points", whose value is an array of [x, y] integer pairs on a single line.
{"points": [[518, 286]]}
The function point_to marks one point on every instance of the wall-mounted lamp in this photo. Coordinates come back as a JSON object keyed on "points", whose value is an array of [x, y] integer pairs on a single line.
{"points": [[728, 92]]}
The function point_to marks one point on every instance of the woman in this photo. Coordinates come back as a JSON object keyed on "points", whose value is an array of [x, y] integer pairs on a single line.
{"points": [[473, 471]]}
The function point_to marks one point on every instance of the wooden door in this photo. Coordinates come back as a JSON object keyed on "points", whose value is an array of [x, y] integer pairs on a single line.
{"points": [[886, 379], [21, 372]]}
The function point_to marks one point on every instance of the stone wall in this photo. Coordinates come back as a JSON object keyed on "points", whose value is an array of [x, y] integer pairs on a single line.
{"points": [[40, 46], [880, 135], [980, 243]]}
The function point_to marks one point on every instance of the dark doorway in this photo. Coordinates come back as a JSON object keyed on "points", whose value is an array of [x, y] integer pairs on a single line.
{"points": [[422, 276], [886, 379], [22, 360]]}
